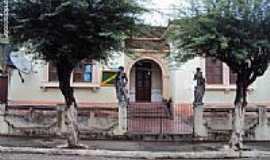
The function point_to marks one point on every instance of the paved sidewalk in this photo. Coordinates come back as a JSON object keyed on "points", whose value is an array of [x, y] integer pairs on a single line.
{"points": [[131, 149], [112, 145], [127, 145]]}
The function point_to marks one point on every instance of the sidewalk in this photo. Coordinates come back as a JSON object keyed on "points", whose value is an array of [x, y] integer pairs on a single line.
{"points": [[133, 149]]}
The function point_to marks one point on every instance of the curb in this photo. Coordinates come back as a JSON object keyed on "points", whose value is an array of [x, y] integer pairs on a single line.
{"points": [[139, 154]]}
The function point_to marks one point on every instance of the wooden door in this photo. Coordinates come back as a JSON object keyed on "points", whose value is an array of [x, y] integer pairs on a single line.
{"points": [[143, 82]]}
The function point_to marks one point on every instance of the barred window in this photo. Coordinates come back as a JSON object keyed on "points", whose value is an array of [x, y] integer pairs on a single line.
{"points": [[53, 77], [233, 77]]}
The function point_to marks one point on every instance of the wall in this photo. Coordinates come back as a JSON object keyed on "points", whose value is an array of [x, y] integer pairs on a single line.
{"points": [[48, 122], [182, 82], [156, 93], [180, 79], [34, 90]]}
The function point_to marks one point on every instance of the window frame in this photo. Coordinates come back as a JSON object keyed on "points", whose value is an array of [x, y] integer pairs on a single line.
{"points": [[226, 78], [95, 83], [83, 72], [221, 74]]}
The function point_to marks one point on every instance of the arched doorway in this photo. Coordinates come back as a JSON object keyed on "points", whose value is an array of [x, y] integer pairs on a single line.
{"points": [[145, 82]]}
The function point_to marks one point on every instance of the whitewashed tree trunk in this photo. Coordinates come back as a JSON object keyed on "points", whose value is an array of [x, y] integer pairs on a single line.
{"points": [[64, 70], [236, 141], [71, 119]]}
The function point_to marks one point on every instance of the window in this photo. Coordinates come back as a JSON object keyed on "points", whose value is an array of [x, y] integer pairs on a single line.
{"points": [[53, 77], [233, 77], [217, 73], [214, 71], [83, 73]]}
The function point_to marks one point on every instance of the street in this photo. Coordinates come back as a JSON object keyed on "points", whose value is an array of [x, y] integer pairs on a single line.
{"points": [[4, 156]]}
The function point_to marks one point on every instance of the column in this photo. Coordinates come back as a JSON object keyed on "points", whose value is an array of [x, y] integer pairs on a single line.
{"points": [[262, 129], [3, 124]]}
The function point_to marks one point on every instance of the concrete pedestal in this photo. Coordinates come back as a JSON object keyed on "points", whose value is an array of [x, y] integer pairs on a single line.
{"points": [[198, 122], [262, 129], [3, 124], [122, 119]]}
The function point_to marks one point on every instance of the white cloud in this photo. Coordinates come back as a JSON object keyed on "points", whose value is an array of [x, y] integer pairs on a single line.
{"points": [[161, 11]]}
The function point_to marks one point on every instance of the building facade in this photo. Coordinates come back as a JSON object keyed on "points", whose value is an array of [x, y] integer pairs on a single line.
{"points": [[152, 78], [159, 89]]}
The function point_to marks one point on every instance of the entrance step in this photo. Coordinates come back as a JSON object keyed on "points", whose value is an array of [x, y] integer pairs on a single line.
{"points": [[148, 110]]}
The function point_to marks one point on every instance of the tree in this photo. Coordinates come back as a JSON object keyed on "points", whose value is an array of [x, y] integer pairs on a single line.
{"points": [[65, 32], [235, 32]]}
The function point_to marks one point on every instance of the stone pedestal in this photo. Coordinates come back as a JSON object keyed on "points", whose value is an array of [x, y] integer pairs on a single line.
{"points": [[262, 129], [122, 119], [198, 122], [3, 125]]}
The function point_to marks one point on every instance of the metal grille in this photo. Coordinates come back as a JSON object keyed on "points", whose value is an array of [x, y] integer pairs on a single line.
{"points": [[154, 118]]}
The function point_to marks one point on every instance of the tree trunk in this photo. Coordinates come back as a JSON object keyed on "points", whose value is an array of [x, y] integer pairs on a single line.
{"points": [[64, 71], [236, 142], [72, 126]]}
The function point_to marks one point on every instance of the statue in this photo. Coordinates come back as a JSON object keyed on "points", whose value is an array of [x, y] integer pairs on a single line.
{"points": [[199, 89], [120, 86]]}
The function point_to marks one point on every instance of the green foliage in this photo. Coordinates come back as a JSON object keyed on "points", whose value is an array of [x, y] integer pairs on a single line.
{"points": [[73, 30], [236, 32], [65, 32]]}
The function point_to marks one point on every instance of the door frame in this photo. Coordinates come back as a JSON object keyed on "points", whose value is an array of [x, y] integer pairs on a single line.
{"points": [[149, 99]]}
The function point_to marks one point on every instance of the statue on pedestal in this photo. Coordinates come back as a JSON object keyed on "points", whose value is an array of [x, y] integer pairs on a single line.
{"points": [[199, 89], [120, 86]]}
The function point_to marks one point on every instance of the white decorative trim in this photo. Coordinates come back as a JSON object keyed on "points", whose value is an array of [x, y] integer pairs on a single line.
{"points": [[84, 85], [225, 87], [49, 84], [149, 51], [164, 72]]}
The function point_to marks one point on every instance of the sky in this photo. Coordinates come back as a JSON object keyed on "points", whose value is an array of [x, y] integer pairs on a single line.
{"points": [[161, 11]]}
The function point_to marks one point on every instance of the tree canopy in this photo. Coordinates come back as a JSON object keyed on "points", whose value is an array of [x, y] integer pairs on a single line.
{"points": [[72, 29], [65, 32], [235, 32]]}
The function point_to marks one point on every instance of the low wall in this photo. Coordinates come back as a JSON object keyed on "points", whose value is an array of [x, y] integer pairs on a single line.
{"points": [[218, 123], [48, 121]]}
